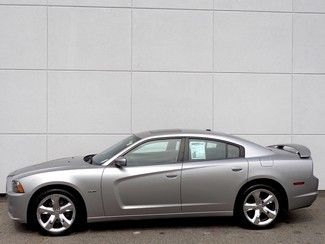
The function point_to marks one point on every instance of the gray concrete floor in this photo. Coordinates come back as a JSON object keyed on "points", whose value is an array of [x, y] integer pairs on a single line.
{"points": [[302, 226]]}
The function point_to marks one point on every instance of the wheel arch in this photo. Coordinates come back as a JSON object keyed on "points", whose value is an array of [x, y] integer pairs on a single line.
{"points": [[68, 188], [264, 181]]}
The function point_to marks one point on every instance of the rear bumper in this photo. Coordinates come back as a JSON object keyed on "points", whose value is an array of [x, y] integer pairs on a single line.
{"points": [[17, 206], [307, 196]]}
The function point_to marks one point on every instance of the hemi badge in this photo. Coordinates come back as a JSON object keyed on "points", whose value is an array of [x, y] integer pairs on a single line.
{"points": [[298, 183]]}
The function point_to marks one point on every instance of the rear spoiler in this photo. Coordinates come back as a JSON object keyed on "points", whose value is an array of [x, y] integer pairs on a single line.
{"points": [[301, 150]]}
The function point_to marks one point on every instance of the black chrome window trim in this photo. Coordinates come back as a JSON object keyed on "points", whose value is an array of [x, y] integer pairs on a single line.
{"points": [[186, 152]]}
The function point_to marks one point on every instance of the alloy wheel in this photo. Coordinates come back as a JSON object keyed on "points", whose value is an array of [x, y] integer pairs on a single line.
{"points": [[56, 213], [261, 207]]}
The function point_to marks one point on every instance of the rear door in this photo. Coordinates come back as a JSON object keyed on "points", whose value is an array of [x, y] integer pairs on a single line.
{"points": [[212, 174], [149, 184]]}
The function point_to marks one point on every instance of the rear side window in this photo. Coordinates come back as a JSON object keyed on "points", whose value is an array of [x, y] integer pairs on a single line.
{"points": [[211, 150], [233, 151]]}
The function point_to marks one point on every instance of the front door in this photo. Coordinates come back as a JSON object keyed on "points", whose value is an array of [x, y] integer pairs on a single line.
{"points": [[148, 184]]}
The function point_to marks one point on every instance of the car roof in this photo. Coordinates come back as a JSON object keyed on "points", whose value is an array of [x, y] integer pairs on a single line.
{"points": [[170, 132]]}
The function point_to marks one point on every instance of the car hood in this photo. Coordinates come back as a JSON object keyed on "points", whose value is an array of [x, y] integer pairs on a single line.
{"points": [[53, 165]]}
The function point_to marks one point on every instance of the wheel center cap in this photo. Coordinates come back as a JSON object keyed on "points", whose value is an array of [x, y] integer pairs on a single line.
{"points": [[56, 211]]}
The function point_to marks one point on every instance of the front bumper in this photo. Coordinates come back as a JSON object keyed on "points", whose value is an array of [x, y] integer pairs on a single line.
{"points": [[17, 206], [306, 196]]}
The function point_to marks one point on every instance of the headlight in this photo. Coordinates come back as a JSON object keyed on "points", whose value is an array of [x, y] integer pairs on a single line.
{"points": [[17, 187]]}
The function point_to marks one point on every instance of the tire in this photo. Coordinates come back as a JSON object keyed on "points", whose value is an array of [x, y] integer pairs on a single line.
{"points": [[259, 207], [55, 212]]}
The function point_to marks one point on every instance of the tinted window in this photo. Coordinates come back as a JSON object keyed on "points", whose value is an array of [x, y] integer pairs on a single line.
{"points": [[154, 152], [211, 150], [233, 151]]}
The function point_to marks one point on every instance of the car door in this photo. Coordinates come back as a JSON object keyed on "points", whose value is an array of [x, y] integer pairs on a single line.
{"points": [[149, 183], [212, 173]]}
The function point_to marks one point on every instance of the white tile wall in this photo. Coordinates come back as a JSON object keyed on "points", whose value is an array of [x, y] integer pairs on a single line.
{"points": [[22, 101], [252, 103], [192, 4], [100, 3], [78, 75], [317, 6], [172, 40], [309, 43], [252, 42], [309, 104], [89, 38], [23, 37], [19, 151], [261, 5], [171, 100], [24, 2], [75, 145], [89, 102]]}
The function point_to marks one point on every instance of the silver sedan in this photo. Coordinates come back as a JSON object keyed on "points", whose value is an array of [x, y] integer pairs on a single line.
{"points": [[166, 173]]}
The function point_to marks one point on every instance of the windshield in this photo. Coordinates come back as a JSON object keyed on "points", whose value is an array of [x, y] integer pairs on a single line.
{"points": [[116, 148]]}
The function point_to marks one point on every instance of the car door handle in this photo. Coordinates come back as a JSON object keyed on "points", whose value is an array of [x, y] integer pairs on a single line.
{"points": [[236, 169], [171, 176]]}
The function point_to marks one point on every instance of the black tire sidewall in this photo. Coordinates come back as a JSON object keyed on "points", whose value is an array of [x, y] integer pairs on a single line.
{"points": [[46, 193], [240, 211]]}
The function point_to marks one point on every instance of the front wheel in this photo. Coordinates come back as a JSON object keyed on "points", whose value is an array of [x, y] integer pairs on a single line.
{"points": [[55, 212], [259, 207]]}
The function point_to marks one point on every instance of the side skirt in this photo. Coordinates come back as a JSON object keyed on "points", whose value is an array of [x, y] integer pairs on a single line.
{"points": [[157, 216]]}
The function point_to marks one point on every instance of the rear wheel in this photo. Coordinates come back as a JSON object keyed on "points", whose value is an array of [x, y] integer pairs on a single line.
{"points": [[55, 212], [259, 207]]}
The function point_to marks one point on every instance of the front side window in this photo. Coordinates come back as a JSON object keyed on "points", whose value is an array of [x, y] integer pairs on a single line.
{"points": [[211, 150], [164, 151]]}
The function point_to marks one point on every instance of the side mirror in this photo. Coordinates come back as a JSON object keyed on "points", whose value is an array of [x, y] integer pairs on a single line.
{"points": [[120, 162]]}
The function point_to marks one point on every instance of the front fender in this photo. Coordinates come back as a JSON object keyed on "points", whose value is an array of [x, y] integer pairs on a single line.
{"points": [[85, 181]]}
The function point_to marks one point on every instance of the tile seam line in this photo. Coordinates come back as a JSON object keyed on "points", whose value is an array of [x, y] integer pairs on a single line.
{"points": [[126, 133], [213, 68], [47, 79], [159, 71], [131, 67], [153, 8], [292, 69], [70, 134]]}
